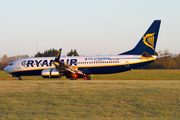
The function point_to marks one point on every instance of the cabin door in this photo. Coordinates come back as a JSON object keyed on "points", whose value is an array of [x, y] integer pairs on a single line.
{"points": [[127, 62], [19, 65]]}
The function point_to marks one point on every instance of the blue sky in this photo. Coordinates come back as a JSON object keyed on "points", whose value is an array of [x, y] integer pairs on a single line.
{"points": [[94, 27]]}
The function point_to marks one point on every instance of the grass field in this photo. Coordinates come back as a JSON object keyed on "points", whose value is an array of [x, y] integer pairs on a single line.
{"points": [[131, 98], [129, 75]]}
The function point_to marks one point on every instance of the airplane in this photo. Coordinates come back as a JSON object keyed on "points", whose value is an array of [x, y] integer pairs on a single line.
{"points": [[74, 67]]}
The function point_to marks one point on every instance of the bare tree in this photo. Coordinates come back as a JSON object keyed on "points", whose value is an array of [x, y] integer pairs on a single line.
{"points": [[4, 59], [8, 60]]}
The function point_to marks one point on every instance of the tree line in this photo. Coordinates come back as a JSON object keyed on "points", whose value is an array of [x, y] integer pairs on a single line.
{"points": [[171, 62], [53, 53]]}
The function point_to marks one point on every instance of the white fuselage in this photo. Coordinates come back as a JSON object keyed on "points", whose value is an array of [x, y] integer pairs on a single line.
{"points": [[124, 62]]}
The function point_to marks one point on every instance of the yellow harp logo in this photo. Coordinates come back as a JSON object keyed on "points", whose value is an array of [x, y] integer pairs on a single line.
{"points": [[148, 40]]}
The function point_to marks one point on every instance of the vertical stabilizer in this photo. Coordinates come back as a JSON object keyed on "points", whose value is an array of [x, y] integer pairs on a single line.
{"points": [[148, 42]]}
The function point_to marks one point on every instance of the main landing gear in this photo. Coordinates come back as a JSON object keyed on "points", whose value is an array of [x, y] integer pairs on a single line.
{"points": [[76, 76], [87, 77], [73, 78]]}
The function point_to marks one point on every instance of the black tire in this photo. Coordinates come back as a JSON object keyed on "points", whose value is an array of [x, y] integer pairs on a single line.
{"points": [[89, 78], [19, 78], [73, 78]]}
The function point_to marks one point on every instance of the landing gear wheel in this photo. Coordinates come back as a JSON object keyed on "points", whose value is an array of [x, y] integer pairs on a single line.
{"points": [[73, 78], [87, 78], [19, 78]]}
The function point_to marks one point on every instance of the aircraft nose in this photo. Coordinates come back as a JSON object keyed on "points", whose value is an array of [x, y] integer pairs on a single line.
{"points": [[6, 69]]}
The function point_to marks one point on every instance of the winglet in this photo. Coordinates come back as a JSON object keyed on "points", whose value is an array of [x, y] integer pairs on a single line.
{"points": [[58, 56]]}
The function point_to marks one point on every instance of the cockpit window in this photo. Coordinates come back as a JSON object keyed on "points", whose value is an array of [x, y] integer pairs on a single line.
{"points": [[11, 64]]}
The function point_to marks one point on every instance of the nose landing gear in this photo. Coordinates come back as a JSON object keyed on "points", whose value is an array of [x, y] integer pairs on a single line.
{"points": [[19, 78]]}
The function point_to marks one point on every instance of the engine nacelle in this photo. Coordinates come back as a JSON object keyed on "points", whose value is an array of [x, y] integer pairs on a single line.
{"points": [[51, 73]]}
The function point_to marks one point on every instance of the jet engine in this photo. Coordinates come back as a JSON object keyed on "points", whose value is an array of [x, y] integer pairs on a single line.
{"points": [[51, 73]]}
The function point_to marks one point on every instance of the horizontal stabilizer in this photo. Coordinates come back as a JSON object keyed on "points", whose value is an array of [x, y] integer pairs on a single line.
{"points": [[164, 56]]}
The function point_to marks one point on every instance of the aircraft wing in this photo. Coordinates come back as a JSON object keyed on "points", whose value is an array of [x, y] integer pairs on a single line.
{"points": [[63, 67]]}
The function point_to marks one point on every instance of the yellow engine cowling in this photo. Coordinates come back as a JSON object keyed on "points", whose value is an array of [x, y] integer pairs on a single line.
{"points": [[51, 73]]}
